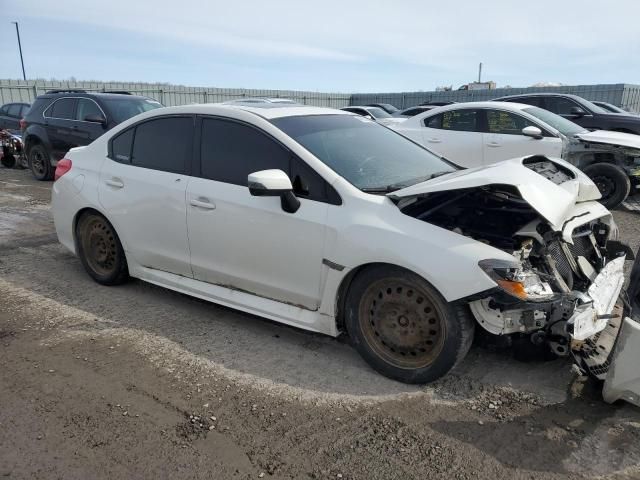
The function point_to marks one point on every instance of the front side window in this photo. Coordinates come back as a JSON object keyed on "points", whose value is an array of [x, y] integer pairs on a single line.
{"points": [[366, 154], [461, 120], [162, 144], [230, 151], [87, 108], [561, 105], [506, 123], [63, 108]]}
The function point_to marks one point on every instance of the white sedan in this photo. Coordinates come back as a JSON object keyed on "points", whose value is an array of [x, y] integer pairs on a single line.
{"points": [[481, 133], [330, 222]]}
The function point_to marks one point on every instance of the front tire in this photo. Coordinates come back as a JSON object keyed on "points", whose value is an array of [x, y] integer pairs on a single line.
{"points": [[40, 163], [403, 327], [612, 181], [100, 250]]}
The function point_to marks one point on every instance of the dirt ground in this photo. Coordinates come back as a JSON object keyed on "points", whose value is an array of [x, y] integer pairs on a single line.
{"points": [[140, 382]]}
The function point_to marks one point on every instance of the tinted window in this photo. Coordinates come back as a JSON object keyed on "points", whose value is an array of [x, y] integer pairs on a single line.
{"points": [[14, 110], [230, 151], [365, 153], [121, 109], [564, 126], [24, 110], [535, 101], [163, 144], [461, 120], [63, 108], [87, 107], [4, 109], [506, 123], [433, 122], [560, 105], [121, 146]]}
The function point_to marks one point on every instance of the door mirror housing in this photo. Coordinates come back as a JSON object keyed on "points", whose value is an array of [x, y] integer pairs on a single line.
{"points": [[274, 183], [93, 118], [577, 112], [533, 132]]}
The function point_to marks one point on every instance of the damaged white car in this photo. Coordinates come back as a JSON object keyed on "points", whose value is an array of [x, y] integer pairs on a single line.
{"points": [[330, 222]]}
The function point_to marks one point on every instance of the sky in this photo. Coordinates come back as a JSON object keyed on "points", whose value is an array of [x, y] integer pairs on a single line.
{"points": [[331, 46]]}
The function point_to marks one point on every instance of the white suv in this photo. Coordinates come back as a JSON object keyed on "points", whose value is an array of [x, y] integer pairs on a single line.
{"points": [[327, 221]]}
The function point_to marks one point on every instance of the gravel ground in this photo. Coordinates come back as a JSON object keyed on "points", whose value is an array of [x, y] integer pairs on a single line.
{"points": [[140, 382]]}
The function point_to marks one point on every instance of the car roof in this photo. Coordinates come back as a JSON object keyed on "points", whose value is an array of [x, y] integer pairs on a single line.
{"points": [[267, 111], [106, 96], [513, 106], [543, 94]]}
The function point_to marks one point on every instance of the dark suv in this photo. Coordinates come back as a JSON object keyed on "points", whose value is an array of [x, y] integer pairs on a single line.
{"points": [[579, 110], [62, 119]]}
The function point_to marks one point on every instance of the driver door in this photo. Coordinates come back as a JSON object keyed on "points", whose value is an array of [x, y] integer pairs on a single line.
{"points": [[250, 243]]}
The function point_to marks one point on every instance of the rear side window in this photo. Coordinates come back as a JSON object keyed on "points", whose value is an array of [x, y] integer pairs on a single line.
{"points": [[14, 110], [230, 151], [63, 108], [506, 123], [121, 146], [4, 110], [24, 110], [161, 144], [461, 120]]}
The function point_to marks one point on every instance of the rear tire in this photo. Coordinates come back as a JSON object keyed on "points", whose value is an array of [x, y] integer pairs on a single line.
{"points": [[40, 163], [100, 250], [613, 183], [403, 327]]}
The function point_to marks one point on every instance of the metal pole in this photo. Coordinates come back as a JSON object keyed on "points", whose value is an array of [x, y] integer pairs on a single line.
{"points": [[24, 75], [480, 73]]}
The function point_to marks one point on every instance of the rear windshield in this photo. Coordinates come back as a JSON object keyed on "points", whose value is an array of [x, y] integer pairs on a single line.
{"points": [[122, 109]]}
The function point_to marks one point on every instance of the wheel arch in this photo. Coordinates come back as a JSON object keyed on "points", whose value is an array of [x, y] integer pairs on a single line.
{"points": [[86, 210]]}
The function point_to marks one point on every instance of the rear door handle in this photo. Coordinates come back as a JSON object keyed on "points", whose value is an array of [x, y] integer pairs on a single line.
{"points": [[493, 144], [202, 203], [114, 182], [434, 140]]}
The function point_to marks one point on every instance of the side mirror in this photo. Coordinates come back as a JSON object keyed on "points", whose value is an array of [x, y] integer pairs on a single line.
{"points": [[533, 132], [370, 117], [577, 112], [274, 183], [93, 118]]}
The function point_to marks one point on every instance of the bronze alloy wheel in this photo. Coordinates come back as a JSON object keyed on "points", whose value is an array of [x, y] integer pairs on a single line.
{"points": [[401, 324], [99, 246]]}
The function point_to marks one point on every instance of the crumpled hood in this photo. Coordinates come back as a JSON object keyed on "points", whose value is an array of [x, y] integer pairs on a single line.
{"points": [[551, 201], [611, 138]]}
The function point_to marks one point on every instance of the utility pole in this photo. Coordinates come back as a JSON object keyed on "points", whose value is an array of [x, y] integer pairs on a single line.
{"points": [[24, 75], [480, 73]]}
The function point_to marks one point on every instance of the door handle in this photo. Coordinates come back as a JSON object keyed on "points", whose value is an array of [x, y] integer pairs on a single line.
{"points": [[493, 144], [434, 140], [115, 183], [202, 203]]}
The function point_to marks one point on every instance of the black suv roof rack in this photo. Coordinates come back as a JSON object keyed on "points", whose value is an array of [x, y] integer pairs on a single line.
{"points": [[118, 92], [67, 90]]}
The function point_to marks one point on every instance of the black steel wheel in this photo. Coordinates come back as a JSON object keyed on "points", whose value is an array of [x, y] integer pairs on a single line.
{"points": [[100, 250], [613, 182], [40, 163], [403, 327]]}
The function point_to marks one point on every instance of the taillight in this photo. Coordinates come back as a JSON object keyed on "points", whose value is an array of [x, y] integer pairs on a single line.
{"points": [[23, 124], [62, 167]]}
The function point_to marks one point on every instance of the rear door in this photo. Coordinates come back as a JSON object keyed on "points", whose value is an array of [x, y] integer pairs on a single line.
{"points": [[142, 190], [85, 132], [59, 120], [504, 139], [456, 135]]}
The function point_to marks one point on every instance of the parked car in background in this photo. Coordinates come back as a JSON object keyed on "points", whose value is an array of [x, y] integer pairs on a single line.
{"points": [[412, 111], [260, 100], [62, 119], [330, 222], [611, 107], [373, 113], [387, 107], [578, 110], [481, 133], [11, 114]]}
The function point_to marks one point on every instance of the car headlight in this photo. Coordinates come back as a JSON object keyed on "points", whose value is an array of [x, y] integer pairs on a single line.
{"points": [[513, 279]]}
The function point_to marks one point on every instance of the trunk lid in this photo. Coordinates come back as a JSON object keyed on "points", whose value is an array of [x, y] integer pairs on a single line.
{"points": [[551, 200]]}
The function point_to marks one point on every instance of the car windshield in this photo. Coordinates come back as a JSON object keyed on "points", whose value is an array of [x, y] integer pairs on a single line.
{"points": [[564, 126], [368, 155], [378, 112], [122, 109]]}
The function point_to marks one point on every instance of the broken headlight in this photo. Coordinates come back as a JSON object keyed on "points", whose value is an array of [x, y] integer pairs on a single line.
{"points": [[515, 280]]}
